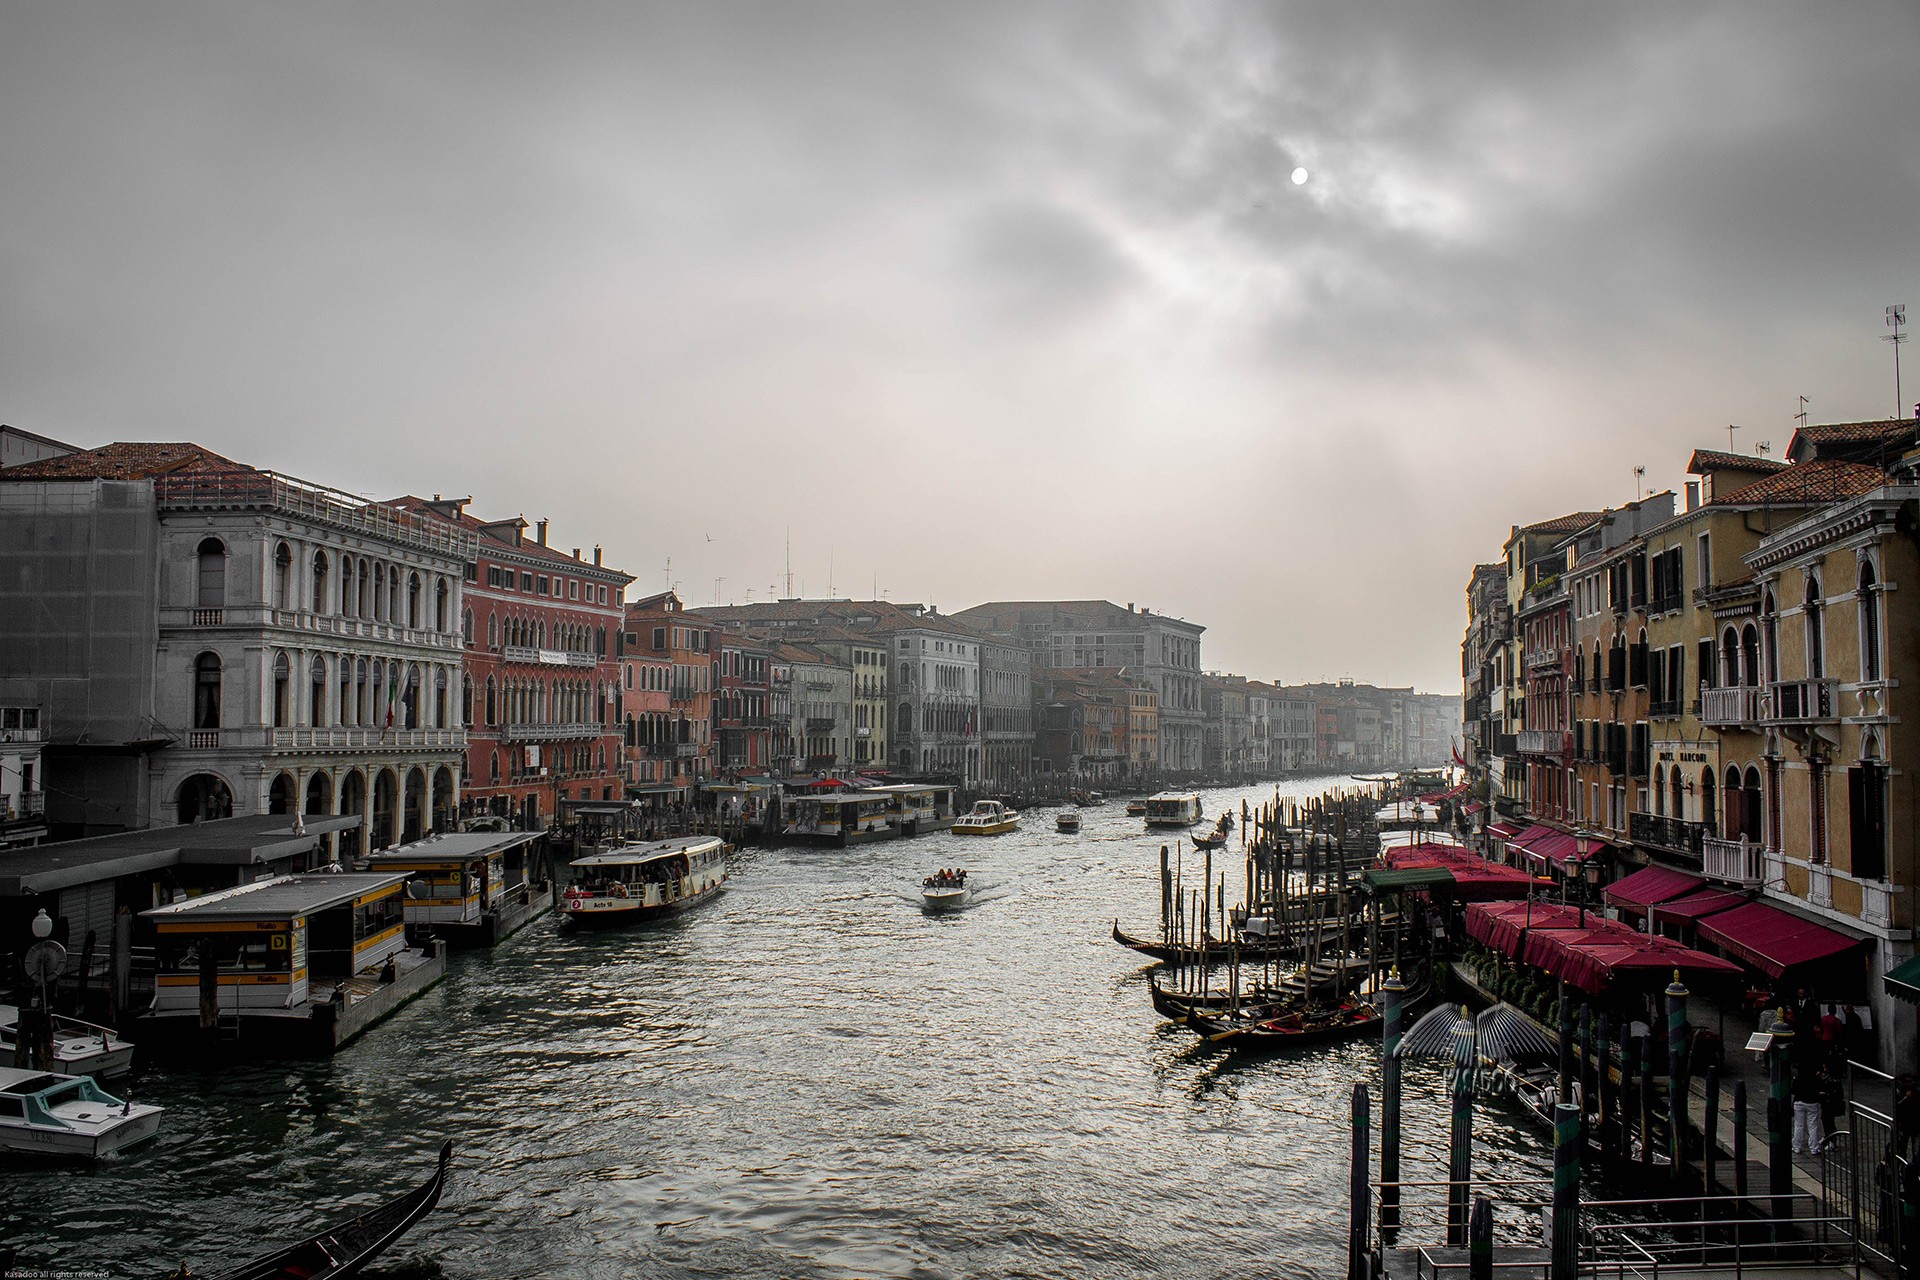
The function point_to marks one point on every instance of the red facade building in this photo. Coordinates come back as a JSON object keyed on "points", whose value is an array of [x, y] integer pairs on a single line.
{"points": [[541, 679], [669, 751], [743, 726]]}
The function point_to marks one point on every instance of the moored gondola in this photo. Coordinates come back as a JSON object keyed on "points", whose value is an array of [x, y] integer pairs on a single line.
{"points": [[1349, 1020], [344, 1250]]}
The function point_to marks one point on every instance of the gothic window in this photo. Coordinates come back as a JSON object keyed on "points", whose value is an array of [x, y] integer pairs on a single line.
{"points": [[319, 582], [282, 689], [1816, 633], [440, 595], [1869, 623], [413, 601], [283, 577], [317, 693]]}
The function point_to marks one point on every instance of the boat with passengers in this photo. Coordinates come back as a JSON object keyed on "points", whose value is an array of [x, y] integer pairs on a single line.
{"points": [[987, 818], [644, 879]]}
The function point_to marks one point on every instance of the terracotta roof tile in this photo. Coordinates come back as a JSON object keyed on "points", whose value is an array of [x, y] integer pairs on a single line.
{"points": [[1850, 439], [1705, 460], [126, 460], [1572, 522], [1808, 483]]}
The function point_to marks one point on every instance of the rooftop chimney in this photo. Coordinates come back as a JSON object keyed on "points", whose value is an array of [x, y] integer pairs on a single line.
{"points": [[541, 525], [596, 554], [576, 553], [1693, 494]]}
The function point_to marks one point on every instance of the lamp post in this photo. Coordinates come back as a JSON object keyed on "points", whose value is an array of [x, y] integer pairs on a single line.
{"points": [[1586, 844]]}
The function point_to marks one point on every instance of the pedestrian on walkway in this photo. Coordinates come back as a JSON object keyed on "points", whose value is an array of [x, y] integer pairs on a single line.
{"points": [[1808, 1132]]}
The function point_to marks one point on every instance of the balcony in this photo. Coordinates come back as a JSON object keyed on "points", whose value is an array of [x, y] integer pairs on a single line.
{"points": [[1676, 835], [1545, 742], [29, 804], [1665, 708], [1730, 708], [1545, 659], [1504, 745], [25, 737], [554, 732], [1734, 861], [822, 724], [361, 738], [1799, 702]]}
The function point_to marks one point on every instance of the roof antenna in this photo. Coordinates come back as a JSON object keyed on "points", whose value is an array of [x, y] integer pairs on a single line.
{"points": [[789, 562], [1730, 430], [1762, 449], [1897, 318], [1801, 417], [1639, 475]]}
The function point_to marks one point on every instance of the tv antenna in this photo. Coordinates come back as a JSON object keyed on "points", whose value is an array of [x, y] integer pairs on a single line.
{"points": [[789, 578], [1639, 475], [1801, 417], [1762, 449], [1896, 320], [1730, 430], [716, 591]]}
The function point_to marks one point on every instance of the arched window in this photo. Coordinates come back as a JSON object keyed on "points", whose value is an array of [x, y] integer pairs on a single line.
{"points": [[440, 697], [466, 626], [1678, 808], [1770, 637], [283, 577], [440, 606], [206, 691], [380, 613], [1729, 659], [363, 589], [1735, 809], [493, 766], [493, 715], [343, 709], [317, 695], [1749, 655], [1869, 623], [413, 601], [282, 690], [212, 585], [1750, 805], [1660, 790], [1709, 806], [493, 630], [1816, 632], [466, 700], [362, 692], [319, 582]]}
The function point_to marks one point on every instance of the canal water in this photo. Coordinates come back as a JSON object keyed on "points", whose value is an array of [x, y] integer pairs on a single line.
{"points": [[809, 1077]]}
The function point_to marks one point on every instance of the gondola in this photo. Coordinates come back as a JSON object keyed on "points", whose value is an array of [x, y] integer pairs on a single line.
{"points": [[1350, 1020], [1213, 841], [344, 1250], [1253, 949]]}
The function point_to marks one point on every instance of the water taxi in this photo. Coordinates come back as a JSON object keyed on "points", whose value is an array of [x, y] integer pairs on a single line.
{"points": [[1173, 809], [644, 880], [1136, 808], [47, 1113], [945, 891], [79, 1048], [1067, 823], [987, 818]]}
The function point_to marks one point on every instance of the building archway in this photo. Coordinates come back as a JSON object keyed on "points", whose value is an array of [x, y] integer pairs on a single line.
{"points": [[445, 807], [386, 800], [204, 797], [353, 803], [280, 794], [319, 794], [415, 807]]}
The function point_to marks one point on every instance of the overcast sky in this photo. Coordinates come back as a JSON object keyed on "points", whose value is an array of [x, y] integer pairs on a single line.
{"points": [[981, 302]]}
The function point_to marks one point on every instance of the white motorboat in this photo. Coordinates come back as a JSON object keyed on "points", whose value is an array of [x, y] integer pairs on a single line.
{"points": [[1068, 822], [48, 1113], [79, 1048], [987, 818], [945, 891]]}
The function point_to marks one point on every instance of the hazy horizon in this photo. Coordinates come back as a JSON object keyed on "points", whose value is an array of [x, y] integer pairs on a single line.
{"points": [[972, 303]]}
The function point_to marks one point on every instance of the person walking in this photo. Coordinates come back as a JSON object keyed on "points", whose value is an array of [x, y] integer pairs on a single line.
{"points": [[1808, 1132]]}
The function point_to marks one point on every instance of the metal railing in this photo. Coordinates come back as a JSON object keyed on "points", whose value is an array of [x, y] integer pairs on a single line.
{"points": [[555, 732], [1675, 834], [249, 489]]}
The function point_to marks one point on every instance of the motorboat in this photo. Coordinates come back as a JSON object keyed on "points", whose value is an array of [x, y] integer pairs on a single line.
{"points": [[1136, 808], [79, 1048], [1068, 822], [644, 879], [346, 1248], [945, 891], [986, 818], [49, 1113]]}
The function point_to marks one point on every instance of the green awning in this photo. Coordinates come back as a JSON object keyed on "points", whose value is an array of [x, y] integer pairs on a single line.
{"points": [[1397, 879], [1904, 982]]}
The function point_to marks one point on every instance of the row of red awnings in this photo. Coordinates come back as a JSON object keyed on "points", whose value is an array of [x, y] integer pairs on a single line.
{"points": [[1592, 955], [1543, 845], [1769, 939], [1451, 793]]}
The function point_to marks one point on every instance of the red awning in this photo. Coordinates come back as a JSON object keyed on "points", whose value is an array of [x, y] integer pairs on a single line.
{"points": [[1504, 925], [1771, 940], [1503, 831], [1537, 831], [1474, 878], [1471, 807], [1593, 966], [1649, 885], [823, 784], [1705, 903]]}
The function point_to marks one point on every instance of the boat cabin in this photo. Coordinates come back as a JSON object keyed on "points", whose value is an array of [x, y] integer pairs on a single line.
{"points": [[914, 808], [462, 883], [845, 817], [1173, 809], [653, 872], [263, 945]]}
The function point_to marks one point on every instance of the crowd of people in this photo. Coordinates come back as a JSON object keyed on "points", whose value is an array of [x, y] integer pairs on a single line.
{"points": [[1823, 1037]]}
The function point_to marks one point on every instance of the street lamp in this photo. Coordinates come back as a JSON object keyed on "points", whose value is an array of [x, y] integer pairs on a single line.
{"points": [[42, 925], [1587, 844]]}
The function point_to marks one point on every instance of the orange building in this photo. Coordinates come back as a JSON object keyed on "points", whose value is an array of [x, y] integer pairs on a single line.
{"points": [[677, 742]]}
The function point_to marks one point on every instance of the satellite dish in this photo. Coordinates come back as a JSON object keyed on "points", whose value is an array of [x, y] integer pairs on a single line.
{"points": [[44, 961]]}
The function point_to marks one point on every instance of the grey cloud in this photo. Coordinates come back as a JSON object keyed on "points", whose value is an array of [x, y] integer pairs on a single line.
{"points": [[1038, 262]]}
